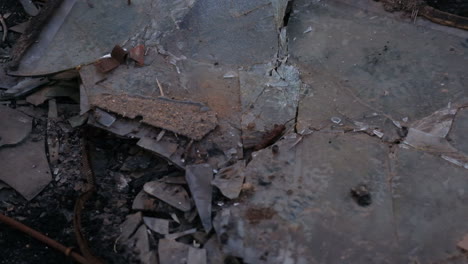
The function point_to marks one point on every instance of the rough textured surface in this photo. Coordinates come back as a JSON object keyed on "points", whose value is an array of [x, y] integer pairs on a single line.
{"points": [[193, 120], [268, 96], [367, 160], [25, 168], [172, 252], [16, 126], [199, 179], [458, 135], [363, 62], [229, 180], [174, 195]]}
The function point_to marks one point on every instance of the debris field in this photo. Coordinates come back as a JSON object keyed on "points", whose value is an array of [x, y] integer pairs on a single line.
{"points": [[218, 131]]}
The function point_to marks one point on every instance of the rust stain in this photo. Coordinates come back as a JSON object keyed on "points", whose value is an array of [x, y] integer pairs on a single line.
{"points": [[256, 215], [138, 55], [106, 65], [270, 137], [190, 119]]}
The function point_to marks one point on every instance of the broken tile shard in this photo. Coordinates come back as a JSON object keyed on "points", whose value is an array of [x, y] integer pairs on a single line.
{"points": [[172, 252], [164, 149], [214, 251], [174, 195], [104, 118], [229, 180], [199, 179], [25, 168], [29, 7], [130, 225], [144, 202], [158, 225], [62, 89], [180, 234], [15, 126], [140, 241], [196, 256], [24, 87], [437, 124], [191, 119]]}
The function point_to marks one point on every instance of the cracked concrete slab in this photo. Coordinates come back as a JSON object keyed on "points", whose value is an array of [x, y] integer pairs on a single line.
{"points": [[59, 50], [374, 99], [458, 135], [303, 192], [428, 194], [269, 96], [24, 167], [365, 65]]}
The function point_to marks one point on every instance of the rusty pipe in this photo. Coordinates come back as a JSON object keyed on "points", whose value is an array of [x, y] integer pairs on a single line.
{"points": [[43, 238]]}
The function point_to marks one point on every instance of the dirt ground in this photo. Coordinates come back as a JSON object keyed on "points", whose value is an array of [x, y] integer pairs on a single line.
{"points": [[51, 212]]}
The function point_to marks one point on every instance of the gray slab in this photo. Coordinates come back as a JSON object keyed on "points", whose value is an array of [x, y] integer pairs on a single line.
{"points": [[59, 50], [199, 179], [302, 208], [430, 201], [16, 126], [234, 33], [268, 96], [459, 132], [24, 168], [172, 252], [360, 62]]}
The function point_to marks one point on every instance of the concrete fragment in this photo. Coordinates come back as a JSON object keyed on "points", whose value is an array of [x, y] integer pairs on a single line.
{"points": [[174, 179], [25, 168], [174, 195], [458, 135], [104, 118], [84, 100], [15, 125], [140, 241], [196, 256], [164, 149], [24, 87], [150, 257], [78, 120], [29, 7], [58, 90], [158, 225], [214, 251], [130, 225], [121, 127], [144, 202], [229, 180], [172, 252], [199, 179], [180, 234]]}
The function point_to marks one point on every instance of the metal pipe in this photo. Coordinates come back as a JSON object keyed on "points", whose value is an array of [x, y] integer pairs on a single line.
{"points": [[43, 238]]}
